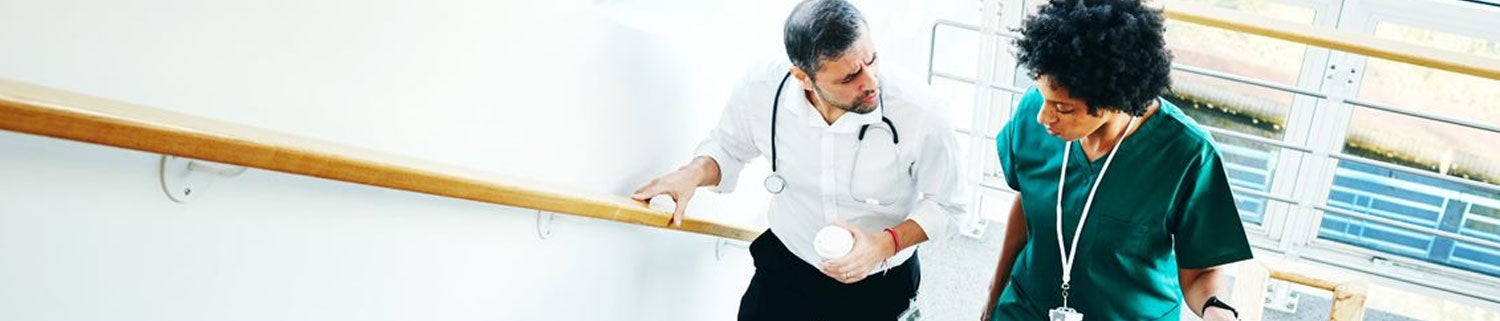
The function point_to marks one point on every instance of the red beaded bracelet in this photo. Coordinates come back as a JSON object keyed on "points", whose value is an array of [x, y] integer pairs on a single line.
{"points": [[895, 240]]}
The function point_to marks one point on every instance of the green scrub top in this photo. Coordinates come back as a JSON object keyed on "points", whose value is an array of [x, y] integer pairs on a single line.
{"points": [[1164, 204]]}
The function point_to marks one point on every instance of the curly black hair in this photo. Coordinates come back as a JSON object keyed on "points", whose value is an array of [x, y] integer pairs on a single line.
{"points": [[1110, 53]]}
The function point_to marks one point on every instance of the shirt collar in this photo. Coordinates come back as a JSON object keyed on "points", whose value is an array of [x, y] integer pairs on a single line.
{"points": [[794, 96]]}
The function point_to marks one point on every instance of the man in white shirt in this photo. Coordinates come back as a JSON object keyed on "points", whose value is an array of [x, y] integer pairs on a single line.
{"points": [[847, 148]]}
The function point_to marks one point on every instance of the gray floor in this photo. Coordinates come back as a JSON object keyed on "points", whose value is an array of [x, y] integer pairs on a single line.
{"points": [[1311, 308], [956, 277]]}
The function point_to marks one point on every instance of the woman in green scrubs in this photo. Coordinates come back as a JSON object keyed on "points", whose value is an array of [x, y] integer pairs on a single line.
{"points": [[1094, 145]]}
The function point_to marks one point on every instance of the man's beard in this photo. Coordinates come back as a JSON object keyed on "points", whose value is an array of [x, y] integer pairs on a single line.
{"points": [[854, 107]]}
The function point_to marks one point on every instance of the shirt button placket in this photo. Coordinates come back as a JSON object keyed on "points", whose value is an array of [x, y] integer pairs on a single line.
{"points": [[829, 185]]}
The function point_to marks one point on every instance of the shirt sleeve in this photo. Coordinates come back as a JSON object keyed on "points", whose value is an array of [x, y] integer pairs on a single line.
{"points": [[730, 143], [940, 187], [1005, 141], [1205, 222]]}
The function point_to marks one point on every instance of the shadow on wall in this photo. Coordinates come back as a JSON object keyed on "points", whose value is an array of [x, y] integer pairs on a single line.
{"points": [[656, 125]]}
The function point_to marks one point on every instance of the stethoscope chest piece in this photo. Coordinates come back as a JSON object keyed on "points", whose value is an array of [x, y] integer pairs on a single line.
{"points": [[775, 184]]}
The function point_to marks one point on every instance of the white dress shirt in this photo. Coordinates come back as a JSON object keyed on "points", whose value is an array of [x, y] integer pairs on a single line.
{"points": [[917, 179]]}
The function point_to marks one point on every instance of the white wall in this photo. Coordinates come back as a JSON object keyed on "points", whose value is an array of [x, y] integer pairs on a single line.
{"points": [[601, 95]]}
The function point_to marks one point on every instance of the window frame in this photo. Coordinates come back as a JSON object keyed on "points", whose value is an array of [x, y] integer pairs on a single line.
{"points": [[1362, 16]]}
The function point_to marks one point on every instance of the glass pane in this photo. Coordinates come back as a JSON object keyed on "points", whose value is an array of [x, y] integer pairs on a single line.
{"points": [[955, 52], [960, 98], [1422, 145], [1240, 53], [1418, 200], [989, 169], [1425, 145], [1437, 39], [1249, 165], [1433, 146], [1004, 109], [1230, 105], [1480, 219]]}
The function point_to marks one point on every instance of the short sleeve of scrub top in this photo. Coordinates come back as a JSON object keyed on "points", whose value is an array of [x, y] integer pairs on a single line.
{"points": [[1205, 213], [1164, 204]]}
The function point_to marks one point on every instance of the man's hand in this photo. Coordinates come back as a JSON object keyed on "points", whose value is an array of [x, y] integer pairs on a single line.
{"points": [[870, 249], [680, 185]]}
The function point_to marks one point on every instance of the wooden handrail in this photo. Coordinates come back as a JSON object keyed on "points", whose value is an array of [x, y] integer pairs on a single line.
{"points": [[1321, 36], [32, 109], [1349, 293]]}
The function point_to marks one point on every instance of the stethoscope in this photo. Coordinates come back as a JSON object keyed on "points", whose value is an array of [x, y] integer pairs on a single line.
{"points": [[775, 183]]}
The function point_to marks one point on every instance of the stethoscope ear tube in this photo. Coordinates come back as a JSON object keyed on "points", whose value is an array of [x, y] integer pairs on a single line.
{"points": [[775, 183], [775, 108], [895, 139]]}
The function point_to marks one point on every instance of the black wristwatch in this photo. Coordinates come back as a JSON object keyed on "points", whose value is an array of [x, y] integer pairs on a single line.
{"points": [[1213, 302]]}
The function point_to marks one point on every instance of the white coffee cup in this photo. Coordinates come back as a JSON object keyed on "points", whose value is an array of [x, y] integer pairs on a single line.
{"points": [[833, 242]]}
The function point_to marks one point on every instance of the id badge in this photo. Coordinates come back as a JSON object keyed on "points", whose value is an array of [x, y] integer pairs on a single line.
{"points": [[911, 313], [1064, 314]]}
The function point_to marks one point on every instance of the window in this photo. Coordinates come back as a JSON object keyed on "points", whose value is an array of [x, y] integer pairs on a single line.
{"points": [[1238, 107], [1443, 148]]}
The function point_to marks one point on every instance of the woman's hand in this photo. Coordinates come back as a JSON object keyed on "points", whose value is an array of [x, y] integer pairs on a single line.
{"points": [[1218, 314]]}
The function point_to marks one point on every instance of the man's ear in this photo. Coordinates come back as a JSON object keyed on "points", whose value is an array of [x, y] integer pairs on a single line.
{"points": [[802, 77]]}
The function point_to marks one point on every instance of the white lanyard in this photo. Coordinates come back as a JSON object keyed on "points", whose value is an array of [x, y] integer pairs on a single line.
{"points": [[1064, 252]]}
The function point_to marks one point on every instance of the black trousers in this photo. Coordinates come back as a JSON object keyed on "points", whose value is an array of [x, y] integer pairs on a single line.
{"points": [[786, 288]]}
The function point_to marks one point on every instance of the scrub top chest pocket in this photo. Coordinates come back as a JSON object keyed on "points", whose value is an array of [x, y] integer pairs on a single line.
{"points": [[1116, 232]]}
